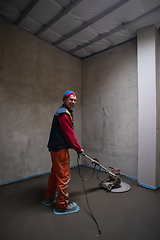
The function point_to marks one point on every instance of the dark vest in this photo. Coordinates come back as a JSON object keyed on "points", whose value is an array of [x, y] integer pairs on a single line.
{"points": [[57, 140]]}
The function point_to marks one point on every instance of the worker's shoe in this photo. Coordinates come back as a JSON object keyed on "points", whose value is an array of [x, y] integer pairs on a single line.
{"points": [[71, 208], [49, 202]]}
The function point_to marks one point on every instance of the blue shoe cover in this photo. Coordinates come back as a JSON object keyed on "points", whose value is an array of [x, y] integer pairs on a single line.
{"points": [[50, 203], [77, 208]]}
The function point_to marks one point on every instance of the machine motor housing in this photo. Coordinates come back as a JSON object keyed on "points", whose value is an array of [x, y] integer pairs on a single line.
{"points": [[113, 181]]}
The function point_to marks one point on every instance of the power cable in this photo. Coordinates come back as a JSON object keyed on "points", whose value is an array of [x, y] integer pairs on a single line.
{"points": [[91, 214]]}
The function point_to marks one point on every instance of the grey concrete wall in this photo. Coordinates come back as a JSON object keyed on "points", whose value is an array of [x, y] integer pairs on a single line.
{"points": [[147, 49], [158, 107], [34, 76], [110, 114]]}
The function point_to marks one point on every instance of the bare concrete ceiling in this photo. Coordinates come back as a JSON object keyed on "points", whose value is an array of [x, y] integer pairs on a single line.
{"points": [[82, 27]]}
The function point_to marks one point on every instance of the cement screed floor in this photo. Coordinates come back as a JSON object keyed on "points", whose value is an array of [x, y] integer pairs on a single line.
{"points": [[132, 215]]}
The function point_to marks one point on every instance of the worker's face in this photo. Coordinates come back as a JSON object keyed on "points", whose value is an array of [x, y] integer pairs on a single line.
{"points": [[70, 101]]}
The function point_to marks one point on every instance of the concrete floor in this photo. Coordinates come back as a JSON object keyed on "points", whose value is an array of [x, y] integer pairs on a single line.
{"points": [[133, 215]]}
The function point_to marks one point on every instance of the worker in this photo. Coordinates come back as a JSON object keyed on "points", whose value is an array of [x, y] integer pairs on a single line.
{"points": [[62, 137]]}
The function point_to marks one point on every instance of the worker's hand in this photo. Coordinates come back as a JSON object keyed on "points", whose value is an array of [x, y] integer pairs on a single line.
{"points": [[81, 152]]}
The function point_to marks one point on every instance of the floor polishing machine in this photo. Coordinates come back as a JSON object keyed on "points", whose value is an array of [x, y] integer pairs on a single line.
{"points": [[113, 180]]}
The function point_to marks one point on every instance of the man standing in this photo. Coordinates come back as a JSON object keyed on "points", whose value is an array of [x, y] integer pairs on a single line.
{"points": [[62, 137]]}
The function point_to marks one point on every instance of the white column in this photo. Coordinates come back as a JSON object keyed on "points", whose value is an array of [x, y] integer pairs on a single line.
{"points": [[147, 45]]}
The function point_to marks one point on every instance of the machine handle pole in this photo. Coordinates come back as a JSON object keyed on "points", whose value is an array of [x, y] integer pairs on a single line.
{"points": [[94, 161]]}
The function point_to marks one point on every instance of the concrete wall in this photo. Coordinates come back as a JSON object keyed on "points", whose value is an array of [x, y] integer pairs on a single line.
{"points": [[158, 106], [34, 76], [147, 49], [109, 108]]}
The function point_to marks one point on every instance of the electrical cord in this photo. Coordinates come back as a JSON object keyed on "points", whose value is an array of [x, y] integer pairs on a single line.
{"points": [[85, 179], [100, 180], [91, 214]]}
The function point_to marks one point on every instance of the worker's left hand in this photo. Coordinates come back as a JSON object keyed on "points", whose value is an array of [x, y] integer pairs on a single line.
{"points": [[81, 152]]}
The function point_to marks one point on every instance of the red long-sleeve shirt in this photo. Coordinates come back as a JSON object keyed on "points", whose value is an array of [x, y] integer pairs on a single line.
{"points": [[68, 132]]}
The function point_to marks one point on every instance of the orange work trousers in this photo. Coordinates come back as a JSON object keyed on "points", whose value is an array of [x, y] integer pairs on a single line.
{"points": [[59, 178]]}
